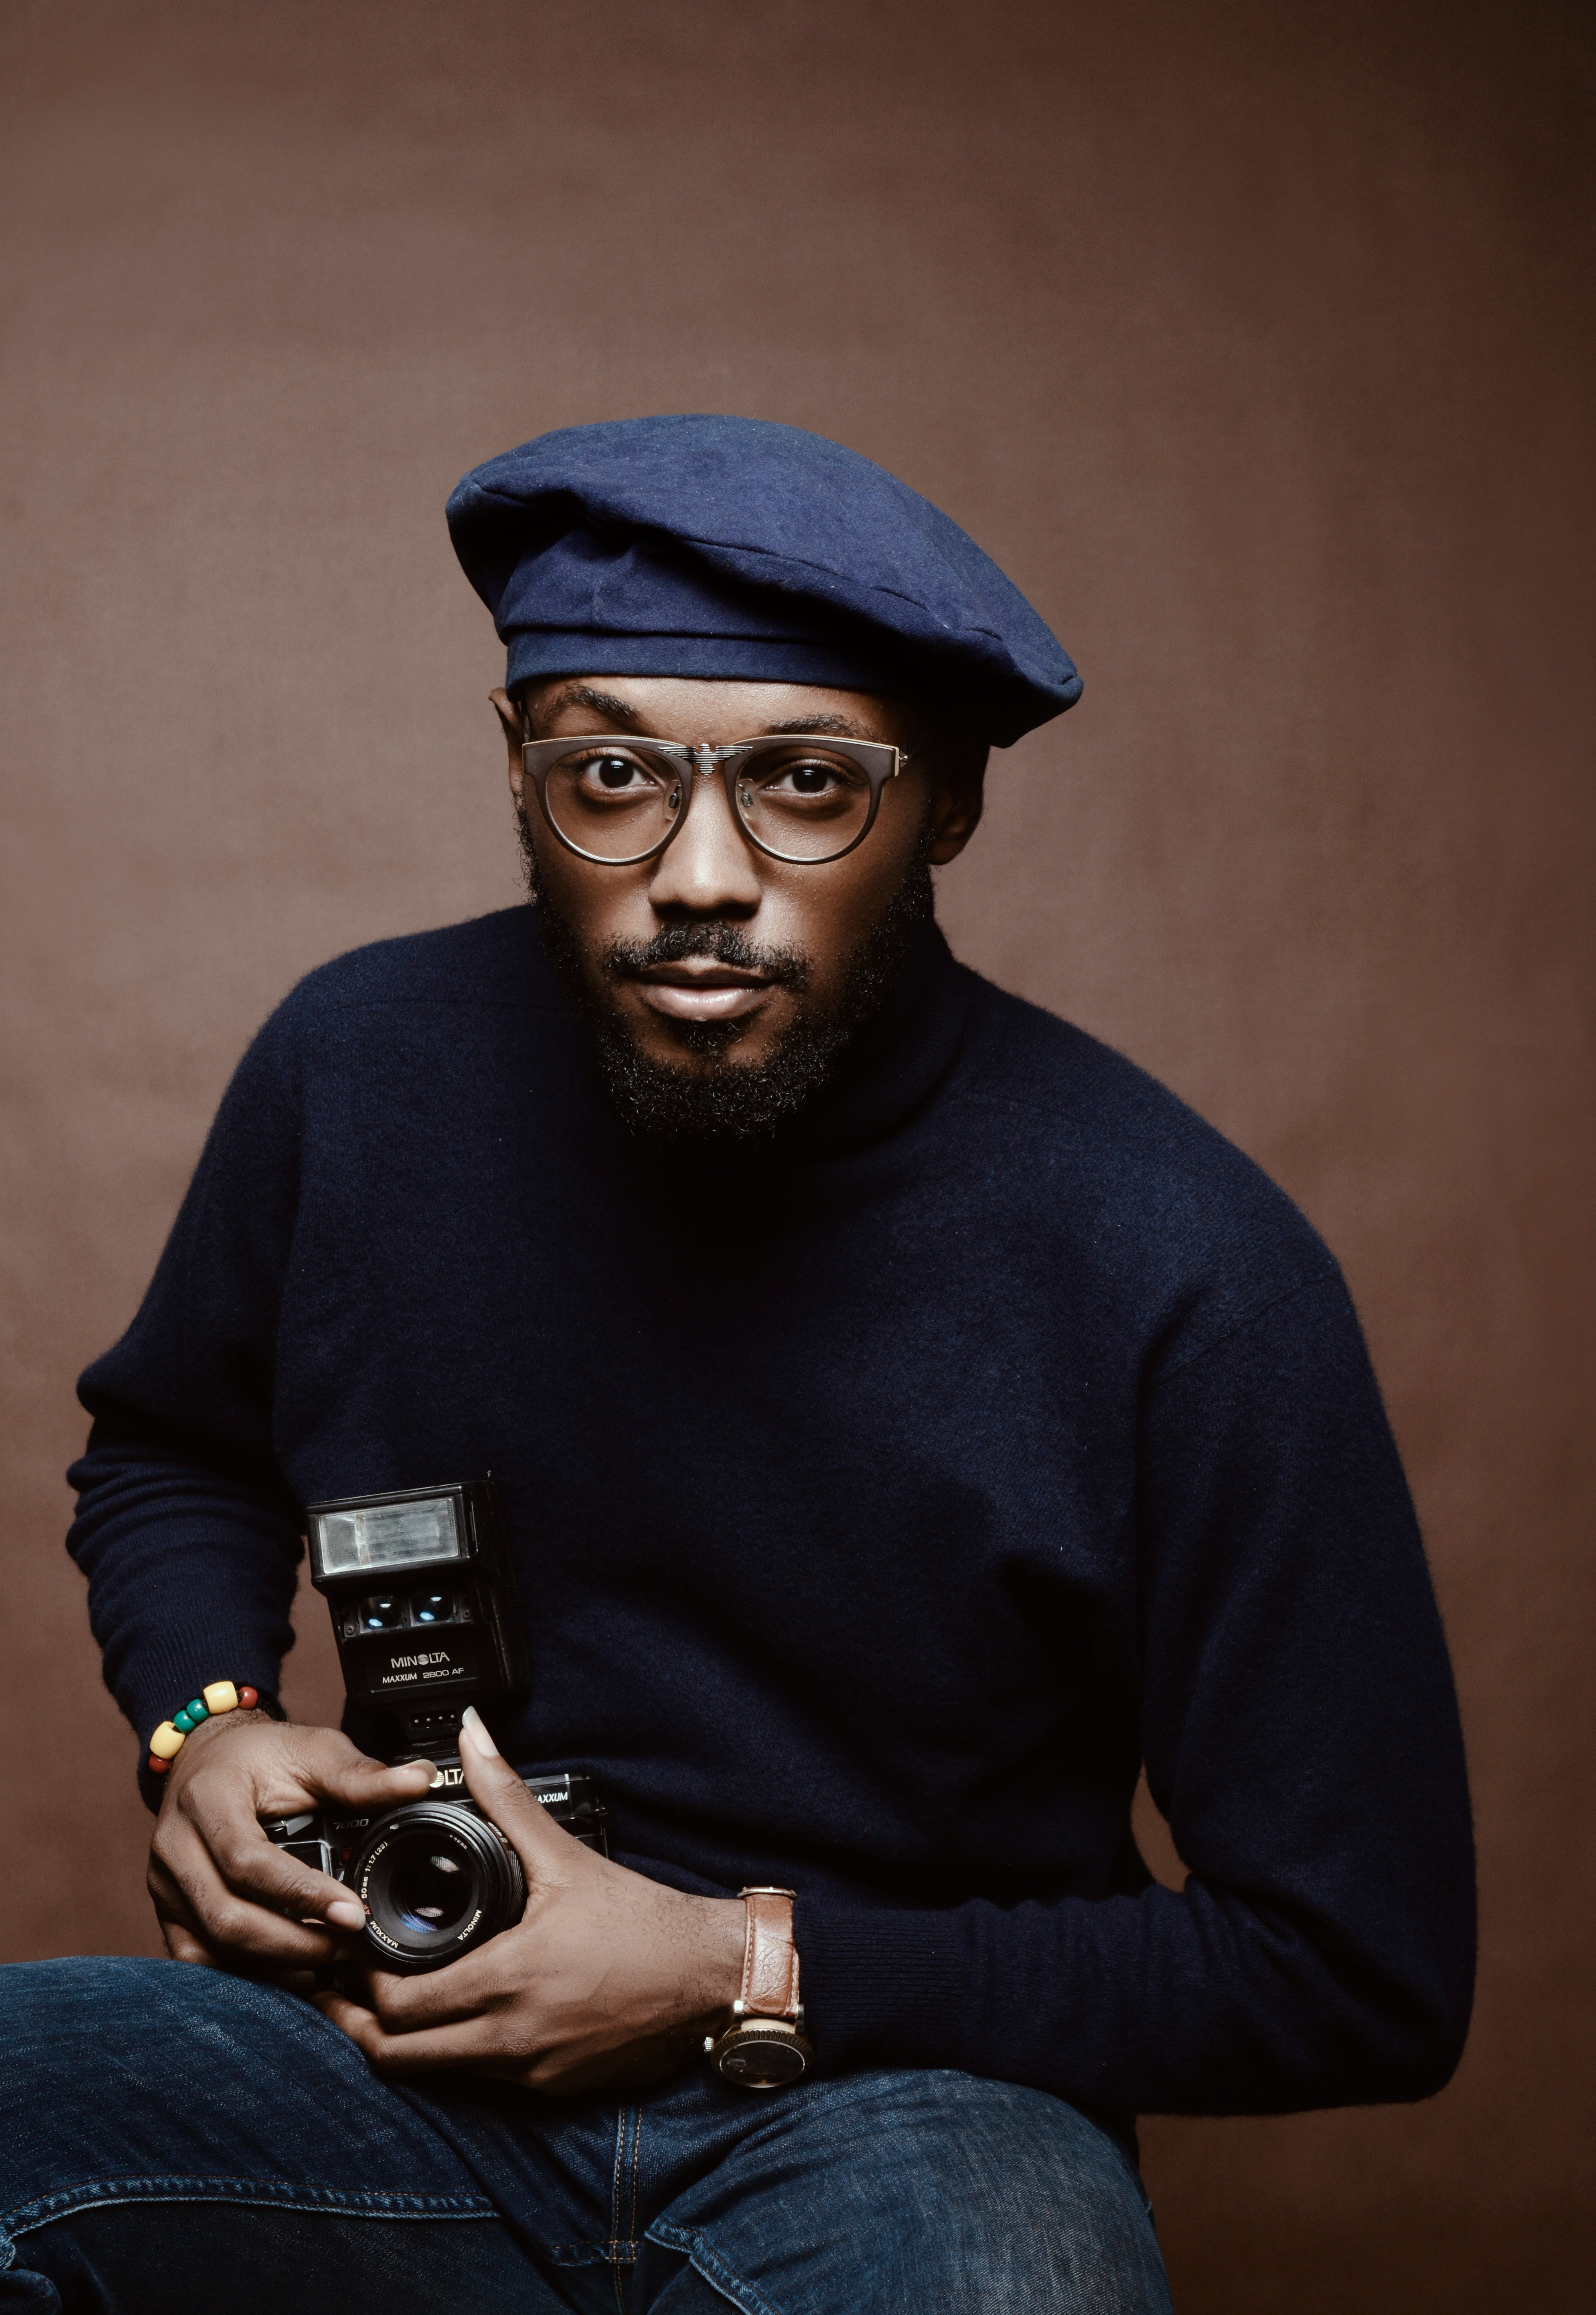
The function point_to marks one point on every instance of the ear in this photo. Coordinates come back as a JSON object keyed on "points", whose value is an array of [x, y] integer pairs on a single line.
{"points": [[961, 795], [513, 725]]}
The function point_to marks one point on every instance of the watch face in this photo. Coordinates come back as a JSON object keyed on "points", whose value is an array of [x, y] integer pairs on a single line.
{"points": [[762, 2061]]}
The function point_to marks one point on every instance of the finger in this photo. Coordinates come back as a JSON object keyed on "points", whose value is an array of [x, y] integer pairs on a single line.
{"points": [[252, 1866], [467, 1988], [182, 1944], [174, 1913], [336, 1772], [255, 1871], [546, 1851], [470, 2045], [166, 1894], [289, 1766], [238, 1902]]}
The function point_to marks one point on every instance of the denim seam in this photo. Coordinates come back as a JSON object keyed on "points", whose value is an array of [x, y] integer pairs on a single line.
{"points": [[621, 2249], [712, 2268], [371, 2202], [617, 2274]]}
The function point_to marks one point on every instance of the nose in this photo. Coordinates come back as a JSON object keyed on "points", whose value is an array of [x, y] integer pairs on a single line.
{"points": [[710, 870]]}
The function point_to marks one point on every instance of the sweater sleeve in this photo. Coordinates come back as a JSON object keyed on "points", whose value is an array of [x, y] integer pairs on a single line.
{"points": [[1301, 1735], [185, 1528]]}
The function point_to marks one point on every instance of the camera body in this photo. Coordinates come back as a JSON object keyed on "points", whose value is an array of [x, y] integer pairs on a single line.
{"points": [[437, 1879], [421, 1593]]}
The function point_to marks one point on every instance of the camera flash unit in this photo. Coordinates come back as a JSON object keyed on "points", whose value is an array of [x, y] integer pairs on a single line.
{"points": [[421, 1597]]}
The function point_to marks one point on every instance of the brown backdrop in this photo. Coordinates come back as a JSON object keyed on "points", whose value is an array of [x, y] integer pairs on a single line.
{"points": [[1246, 338]]}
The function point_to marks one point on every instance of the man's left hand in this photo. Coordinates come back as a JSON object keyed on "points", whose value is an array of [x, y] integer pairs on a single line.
{"points": [[608, 1977]]}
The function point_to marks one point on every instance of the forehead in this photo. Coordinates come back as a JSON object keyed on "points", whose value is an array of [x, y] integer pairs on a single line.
{"points": [[689, 708]]}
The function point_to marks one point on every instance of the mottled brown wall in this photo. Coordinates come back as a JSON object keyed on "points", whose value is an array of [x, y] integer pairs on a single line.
{"points": [[1252, 339]]}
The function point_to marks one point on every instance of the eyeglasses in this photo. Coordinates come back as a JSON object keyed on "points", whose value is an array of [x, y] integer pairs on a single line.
{"points": [[621, 801]]}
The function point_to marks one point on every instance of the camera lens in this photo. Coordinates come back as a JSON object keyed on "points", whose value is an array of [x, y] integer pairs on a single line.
{"points": [[429, 1893], [431, 1607], [437, 1880], [381, 1615]]}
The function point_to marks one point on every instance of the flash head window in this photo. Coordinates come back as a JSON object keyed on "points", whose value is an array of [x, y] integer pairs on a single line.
{"points": [[386, 1536]]}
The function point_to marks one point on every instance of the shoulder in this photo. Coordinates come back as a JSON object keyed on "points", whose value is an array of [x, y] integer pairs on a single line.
{"points": [[493, 960], [1149, 1196], [1085, 1106], [426, 1001], [462, 980]]}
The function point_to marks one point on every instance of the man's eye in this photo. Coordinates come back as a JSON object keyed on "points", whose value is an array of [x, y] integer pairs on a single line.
{"points": [[611, 772], [804, 779]]}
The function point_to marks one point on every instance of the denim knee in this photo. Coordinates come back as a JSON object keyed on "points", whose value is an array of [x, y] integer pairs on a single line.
{"points": [[154, 2080], [895, 2192]]}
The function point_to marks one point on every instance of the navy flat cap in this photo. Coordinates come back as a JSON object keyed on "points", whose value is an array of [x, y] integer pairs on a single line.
{"points": [[735, 547]]}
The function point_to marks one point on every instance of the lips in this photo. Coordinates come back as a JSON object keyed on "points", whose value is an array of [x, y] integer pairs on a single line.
{"points": [[711, 992]]}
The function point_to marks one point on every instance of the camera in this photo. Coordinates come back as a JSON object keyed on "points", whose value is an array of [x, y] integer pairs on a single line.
{"points": [[422, 1594]]}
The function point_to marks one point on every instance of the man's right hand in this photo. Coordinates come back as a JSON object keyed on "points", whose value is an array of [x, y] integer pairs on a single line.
{"points": [[224, 1895]]}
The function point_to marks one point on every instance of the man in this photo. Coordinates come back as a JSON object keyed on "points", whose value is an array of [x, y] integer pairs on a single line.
{"points": [[908, 1418]]}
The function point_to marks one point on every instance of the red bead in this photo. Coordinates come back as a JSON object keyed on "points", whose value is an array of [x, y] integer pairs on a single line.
{"points": [[157, 1768], [248, 1697]]}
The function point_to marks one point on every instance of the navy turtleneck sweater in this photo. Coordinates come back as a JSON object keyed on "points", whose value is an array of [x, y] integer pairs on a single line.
{"points": [[881, 1499]]}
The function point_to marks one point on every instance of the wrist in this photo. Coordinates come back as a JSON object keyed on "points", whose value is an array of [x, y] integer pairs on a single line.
{"points": [[720, 1927], [203, 1739], [216, 1699], [725, 1951]]}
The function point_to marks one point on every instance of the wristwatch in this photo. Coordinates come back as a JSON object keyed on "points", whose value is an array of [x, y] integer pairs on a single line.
{"points": [[764, 2047]]}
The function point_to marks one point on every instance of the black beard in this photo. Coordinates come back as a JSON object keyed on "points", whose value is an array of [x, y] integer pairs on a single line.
{"points": [[731, 1101]]}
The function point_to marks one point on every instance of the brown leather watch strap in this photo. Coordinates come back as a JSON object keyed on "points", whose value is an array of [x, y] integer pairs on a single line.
{"points": [[770, 1959], [764, 2047]]}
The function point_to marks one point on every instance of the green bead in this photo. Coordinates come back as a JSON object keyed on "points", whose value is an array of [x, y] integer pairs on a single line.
{"points": [[197, 1710], [182, 1723]]}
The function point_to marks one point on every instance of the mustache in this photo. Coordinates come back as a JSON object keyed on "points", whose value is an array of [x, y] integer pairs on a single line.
{"points": [[720, 943]]}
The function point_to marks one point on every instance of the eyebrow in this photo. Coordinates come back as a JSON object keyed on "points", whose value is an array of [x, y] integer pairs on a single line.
{"points": [[626, 717], [838, 727], [602, 703]]}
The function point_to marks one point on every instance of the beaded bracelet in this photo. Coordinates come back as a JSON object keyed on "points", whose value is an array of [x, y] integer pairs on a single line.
{"points": [[221, 1696]]}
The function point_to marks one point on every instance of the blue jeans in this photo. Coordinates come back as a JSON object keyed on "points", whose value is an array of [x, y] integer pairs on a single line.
{"points": [[171, 2138]]}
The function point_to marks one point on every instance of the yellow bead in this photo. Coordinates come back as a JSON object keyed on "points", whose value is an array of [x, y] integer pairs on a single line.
{"points": [[221, 1696], [167, 1741]]}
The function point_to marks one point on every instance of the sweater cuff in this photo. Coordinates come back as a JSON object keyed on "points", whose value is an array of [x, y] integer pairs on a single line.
{"points": [[879, 1986]]}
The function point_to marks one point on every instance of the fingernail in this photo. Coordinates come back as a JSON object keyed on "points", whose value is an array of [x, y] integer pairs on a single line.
{"points": [[343, 1914], [472, 1725]]}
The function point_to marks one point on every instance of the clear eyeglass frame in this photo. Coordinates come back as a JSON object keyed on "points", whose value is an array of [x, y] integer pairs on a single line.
{"points": [[876, 759]]}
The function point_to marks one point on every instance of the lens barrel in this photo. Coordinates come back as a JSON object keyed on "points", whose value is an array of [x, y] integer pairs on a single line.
{"points": [[437, 1880]]}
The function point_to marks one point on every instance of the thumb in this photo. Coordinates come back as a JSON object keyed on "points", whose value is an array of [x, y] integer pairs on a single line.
{"points": [[545, 1849]]}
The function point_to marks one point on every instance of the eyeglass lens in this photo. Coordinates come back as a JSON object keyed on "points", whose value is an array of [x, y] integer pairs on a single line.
{"points": [[799, 801]]}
